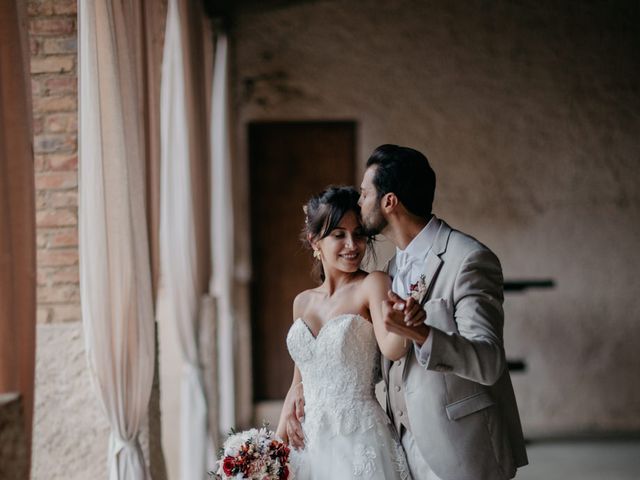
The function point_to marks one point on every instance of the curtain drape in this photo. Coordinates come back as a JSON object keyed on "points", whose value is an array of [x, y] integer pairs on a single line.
{"points": [[115, 273], [222, 233], [151, 28], [184, 252], [17, 212]]}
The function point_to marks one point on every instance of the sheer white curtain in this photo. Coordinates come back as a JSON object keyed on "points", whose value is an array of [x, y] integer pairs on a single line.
{"points": [[222, 232], [115, 277], [178, 245]]}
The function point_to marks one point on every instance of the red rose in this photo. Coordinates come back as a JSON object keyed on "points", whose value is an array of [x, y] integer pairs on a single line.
{"points": [[282, 452], [228, 464], [284, 473]]}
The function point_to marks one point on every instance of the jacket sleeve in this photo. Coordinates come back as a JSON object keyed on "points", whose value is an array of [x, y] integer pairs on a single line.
{"points": [[476, 350]]}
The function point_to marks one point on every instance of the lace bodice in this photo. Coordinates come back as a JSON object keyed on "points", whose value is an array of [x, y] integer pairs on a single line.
{"points": [[347, 434], [339, 370]]}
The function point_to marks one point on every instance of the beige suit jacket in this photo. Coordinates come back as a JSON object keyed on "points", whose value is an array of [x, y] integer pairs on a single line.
{"points": [[461, 405]]}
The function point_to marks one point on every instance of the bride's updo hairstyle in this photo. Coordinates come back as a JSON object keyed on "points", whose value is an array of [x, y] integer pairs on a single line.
{"points": [[323, 213]]}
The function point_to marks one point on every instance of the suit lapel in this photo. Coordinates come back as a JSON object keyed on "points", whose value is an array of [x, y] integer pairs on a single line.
{"points": [[432, 267], [431, 270], [434, 261]]}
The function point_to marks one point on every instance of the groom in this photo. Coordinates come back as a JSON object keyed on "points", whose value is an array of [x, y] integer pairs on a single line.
{"points": [[450, 398]]}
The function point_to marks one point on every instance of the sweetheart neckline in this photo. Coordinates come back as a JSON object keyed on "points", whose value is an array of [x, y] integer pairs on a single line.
{"points": [[331, 320]]}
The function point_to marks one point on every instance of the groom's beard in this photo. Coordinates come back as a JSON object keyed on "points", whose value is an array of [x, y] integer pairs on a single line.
{"points": [[375, 223]]}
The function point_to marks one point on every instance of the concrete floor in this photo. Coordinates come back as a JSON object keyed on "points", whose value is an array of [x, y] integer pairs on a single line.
{"points": [[582, 460]]}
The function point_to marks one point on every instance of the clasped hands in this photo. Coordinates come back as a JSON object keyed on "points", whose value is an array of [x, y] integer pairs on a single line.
{"points": [[405, 317], [402, 317]]}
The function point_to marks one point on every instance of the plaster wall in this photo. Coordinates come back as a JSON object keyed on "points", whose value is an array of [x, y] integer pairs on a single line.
{"points": [[529, 112], [71, 432]]}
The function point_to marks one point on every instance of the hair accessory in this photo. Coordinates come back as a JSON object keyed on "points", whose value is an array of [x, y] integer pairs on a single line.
{"points": [[317, 254]]}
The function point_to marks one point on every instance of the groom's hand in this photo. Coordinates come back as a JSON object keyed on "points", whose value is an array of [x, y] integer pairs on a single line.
{"points": [[298, 400], [293, 426], [405, 318]]}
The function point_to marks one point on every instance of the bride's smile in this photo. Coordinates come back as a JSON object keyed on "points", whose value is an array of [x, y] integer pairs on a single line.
{"points": [[344, 247]]}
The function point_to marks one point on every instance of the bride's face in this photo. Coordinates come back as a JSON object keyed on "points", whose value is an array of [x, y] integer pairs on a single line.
{"points": [[345, 246]]}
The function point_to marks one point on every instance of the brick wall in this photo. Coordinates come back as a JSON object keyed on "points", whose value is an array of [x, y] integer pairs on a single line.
{"points": [[52, 31]]}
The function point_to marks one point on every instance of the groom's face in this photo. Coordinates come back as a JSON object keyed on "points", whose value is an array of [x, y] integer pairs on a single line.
{"points": [[372, 217]]}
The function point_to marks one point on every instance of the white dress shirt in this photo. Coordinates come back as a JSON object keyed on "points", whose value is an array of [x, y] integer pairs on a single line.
{"points": [[409, 266]]}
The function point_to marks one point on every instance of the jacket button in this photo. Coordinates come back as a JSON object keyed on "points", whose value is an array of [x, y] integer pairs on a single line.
{"points": [[397, 388], [400, 413]]}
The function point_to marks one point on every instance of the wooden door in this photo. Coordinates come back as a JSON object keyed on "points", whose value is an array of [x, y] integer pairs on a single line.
{"points": [[289, 161]]}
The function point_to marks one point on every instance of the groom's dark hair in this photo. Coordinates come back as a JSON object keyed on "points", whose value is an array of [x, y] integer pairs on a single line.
{"points": [[407, 173]]}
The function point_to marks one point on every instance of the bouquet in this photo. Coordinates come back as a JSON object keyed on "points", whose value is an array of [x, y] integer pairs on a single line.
{"points": [[254, 454]]}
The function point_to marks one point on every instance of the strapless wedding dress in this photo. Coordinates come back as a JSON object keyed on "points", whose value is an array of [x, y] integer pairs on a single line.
{"points": [[347, 433]]}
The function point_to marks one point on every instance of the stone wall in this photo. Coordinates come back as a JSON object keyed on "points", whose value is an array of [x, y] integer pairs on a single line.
{"points": [[71, 432], [529, 112]]}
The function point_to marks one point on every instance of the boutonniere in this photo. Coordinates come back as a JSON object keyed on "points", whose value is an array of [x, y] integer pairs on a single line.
{"points": [[419, 289]]}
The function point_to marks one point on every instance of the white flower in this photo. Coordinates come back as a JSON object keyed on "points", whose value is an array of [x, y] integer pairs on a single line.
{"points": [[418, 289]]}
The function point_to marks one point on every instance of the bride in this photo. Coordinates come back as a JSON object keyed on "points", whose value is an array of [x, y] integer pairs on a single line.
{"points": [[335, 341]]}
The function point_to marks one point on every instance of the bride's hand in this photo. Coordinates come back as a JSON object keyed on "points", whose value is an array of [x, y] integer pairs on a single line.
{"points": [[412, 310]]}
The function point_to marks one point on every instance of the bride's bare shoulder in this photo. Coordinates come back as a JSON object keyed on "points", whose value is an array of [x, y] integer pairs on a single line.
{"points": [[375, 279], [302, 301]]}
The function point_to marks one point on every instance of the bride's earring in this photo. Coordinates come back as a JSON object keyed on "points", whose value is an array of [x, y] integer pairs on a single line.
{"points": [[317, 254]]}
